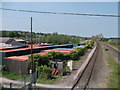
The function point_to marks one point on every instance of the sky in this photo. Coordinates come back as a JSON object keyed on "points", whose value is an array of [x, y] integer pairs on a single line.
{"points": [[84, 26]]}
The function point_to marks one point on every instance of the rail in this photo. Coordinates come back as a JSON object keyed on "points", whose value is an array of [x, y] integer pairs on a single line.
{"points": [[90, 61]]}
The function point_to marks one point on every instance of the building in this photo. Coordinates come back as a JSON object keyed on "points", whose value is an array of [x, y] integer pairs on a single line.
{"points": [[7, 41], [58, 67], [21, 41], [4, 41]]}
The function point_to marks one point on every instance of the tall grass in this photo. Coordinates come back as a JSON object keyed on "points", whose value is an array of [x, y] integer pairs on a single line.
{"points": [[114, 75]]}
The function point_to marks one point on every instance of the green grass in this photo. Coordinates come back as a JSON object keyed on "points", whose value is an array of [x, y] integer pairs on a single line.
{"points": [[11, 75], [76, 61], [114, 75], [117, 46], [68, 69], [114, 45], [53, 80], [0, 74]]}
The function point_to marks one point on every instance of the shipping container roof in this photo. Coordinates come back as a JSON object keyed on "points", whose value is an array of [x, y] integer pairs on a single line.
{"points": [[25, 57]]}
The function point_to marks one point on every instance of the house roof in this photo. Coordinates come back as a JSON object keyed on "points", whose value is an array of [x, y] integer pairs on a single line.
{"points": [[11, 41]]}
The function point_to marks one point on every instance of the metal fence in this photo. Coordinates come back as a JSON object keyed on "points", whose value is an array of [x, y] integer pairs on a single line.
{"points": [[20, 67]]}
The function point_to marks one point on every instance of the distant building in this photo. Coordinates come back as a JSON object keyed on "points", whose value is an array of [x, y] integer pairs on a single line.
{"points": [[6, 41], [20, 40], [83, 41]]}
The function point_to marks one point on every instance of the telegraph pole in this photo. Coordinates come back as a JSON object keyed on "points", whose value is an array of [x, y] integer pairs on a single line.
{"points": [[31, 44], [31, 72], [31, 47]]}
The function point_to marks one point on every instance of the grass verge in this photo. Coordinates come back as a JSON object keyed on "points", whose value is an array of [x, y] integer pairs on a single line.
{"points": [[0, 74], [114, 75], [11, 75], [117, 46], [53, 80], [76, 61], [114, 45]]}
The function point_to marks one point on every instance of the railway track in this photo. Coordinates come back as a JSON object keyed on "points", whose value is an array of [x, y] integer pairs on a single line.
{"points": [[85, 76]]}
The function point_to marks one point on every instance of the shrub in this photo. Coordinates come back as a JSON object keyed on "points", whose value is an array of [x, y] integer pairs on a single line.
{"points": [[4, 68], [74, 55], [80, 51], [44, 72], [67, 57], [90, 44]]}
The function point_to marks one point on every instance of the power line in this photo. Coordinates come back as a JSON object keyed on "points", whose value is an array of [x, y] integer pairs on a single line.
{"points": [[59, 13]]}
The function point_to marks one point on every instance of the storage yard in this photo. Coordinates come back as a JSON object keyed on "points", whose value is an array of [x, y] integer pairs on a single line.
{"points": [[18, 55]]}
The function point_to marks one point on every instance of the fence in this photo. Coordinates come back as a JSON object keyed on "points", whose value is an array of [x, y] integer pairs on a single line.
{"points": [[20, 67]]}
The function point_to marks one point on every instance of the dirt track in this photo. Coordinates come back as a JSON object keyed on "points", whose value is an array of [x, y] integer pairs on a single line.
{"points": [[101, 70], [99, 73]]}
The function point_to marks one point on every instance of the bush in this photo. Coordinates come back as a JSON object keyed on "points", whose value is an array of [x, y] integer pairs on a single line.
{"points": [[90, 44], [67, 57], [105, 39], [44, 72], [74, 55], [81, 51], [4, 68]]}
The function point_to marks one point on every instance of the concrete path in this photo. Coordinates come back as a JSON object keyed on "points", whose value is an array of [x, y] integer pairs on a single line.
{"points": [[19, 84]]}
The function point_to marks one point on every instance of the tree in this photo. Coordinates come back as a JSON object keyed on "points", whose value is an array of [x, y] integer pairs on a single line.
{"points": [[40, 60], [66, 56], [55, 55], [11, 34]]}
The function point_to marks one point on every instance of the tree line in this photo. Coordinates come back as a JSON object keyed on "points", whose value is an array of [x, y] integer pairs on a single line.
{"points": [[54, 38]]}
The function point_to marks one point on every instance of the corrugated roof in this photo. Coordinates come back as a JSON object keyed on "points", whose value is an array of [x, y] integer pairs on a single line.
{"points": [[25, 57]]}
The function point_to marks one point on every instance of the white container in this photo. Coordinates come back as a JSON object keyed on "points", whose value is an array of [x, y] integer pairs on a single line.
{"points": [[70, 65]]}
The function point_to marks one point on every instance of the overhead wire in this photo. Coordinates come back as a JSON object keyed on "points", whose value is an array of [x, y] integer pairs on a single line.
{"points": [[64, 13]]}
